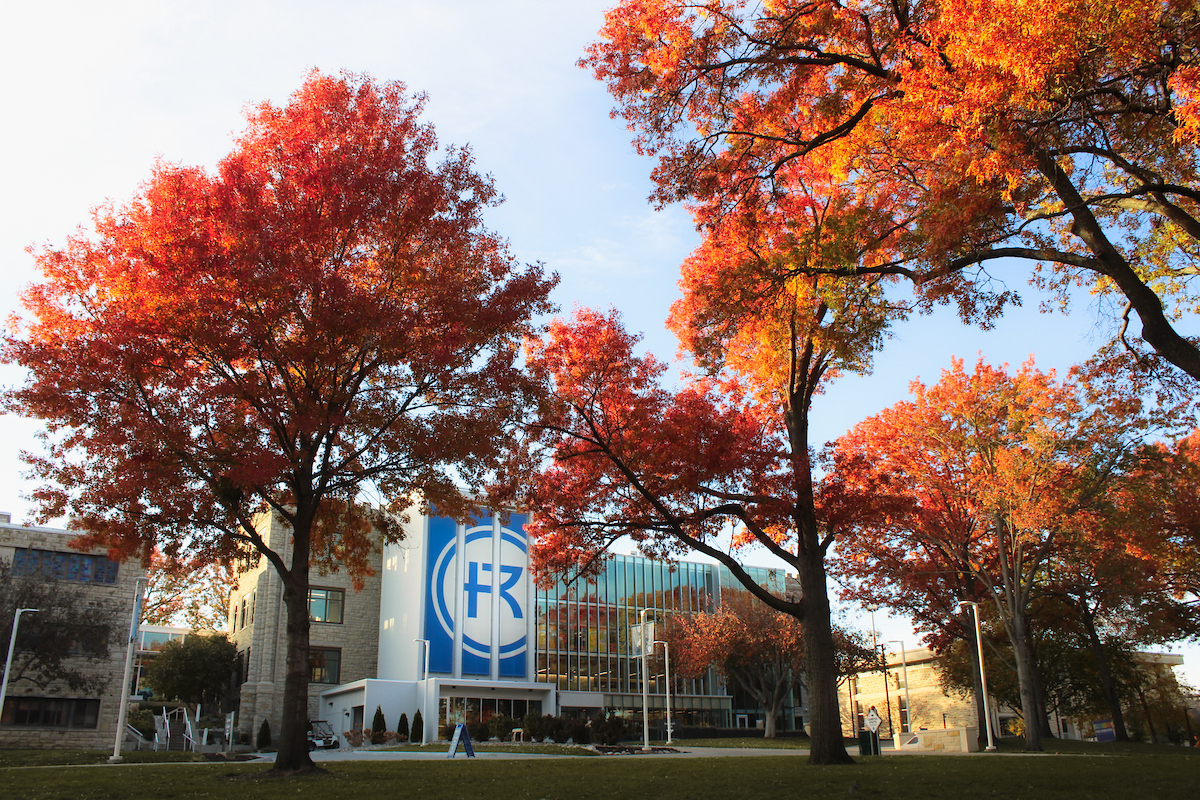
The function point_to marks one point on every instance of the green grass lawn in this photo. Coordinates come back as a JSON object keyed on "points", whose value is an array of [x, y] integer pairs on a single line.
{"points": [[1014, 776], [52, 758]]}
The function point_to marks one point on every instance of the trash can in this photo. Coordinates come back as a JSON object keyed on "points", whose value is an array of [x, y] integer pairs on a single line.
{"points": [[868, 744]]}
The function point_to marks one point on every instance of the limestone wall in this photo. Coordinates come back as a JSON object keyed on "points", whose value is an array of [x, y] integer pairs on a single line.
{"points": [[119, 597]]}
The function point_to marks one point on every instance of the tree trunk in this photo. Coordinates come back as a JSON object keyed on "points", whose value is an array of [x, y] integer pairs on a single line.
{"points": [[292, 751], [1146, 712], [825, 722], [1039, 691], [769, 714], [1025, 676], [1106, 678]]}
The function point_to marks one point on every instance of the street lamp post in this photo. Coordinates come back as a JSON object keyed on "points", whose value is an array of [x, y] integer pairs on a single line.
{"points": [[987, 721], [123, 701], [425, 690], [12, 641], [906, 721], [667, 677], [645, 681]]}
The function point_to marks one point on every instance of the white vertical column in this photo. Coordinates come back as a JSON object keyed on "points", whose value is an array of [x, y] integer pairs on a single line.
{"points": [[460, 580], [531, 611], [494, 647]]}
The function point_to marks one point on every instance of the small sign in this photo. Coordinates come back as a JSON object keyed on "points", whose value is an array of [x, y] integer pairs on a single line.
{"points": [[873, 720], [461, 736], [1105, 732]]}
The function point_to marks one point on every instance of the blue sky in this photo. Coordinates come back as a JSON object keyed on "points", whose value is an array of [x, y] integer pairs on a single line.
{"points": [[96, 91]]}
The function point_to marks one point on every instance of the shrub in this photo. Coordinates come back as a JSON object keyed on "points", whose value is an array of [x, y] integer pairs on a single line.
{"points": [[402, 728], [143, 721], [264, 736], [417, 736], [608, 730], [579, 731], [501, 726], [378, 726], [479, 731], [535, 730], [560, 729]]}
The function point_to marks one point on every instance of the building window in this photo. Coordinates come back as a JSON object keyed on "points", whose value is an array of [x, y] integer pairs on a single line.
{"points": [[324, 666], [64, 566], [250, 616], [50, 712], [325, 605]]}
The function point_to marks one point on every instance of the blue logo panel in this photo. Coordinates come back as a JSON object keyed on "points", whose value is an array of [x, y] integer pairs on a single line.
{"points": [[439, 614], [492, 596]]}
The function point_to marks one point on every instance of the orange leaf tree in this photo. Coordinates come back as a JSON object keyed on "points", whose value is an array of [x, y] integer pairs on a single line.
{"points": [[1063, 135], [675, 469], [325, 313], [977, 486]]}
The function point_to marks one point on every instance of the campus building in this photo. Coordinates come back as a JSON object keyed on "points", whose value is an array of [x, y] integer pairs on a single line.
{"points": [[452, 623], [56, 716], [908, 696]]}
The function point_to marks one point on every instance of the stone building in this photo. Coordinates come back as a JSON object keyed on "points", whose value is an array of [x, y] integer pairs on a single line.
{"points": [[933, 708], [56, 716], [344, 633], [889, 692]]}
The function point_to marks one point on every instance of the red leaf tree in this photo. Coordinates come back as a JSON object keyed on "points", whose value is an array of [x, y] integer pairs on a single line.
{"points": [[674, 469], [324, 314], [746, 641], [758, 647]]}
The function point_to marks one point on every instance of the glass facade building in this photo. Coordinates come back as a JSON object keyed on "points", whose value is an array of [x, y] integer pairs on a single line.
{"points": [[587, 637]]}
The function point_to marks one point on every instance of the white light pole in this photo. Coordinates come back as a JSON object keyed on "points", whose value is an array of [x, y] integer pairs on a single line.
{"points": [[645, 682], [425, 690], [907, 721], [667, 664], [987, 714], [12, 640], [123, 701]]}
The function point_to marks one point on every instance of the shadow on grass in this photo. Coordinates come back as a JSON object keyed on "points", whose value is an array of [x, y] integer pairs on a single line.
{"points": [[666, 778]]}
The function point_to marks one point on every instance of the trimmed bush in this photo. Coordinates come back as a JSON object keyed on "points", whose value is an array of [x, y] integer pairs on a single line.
{"points": [[479, 731], [535, 731], [417, 736], [579, 732], [264, 736], [501, 726], [608, 730], [378, 726], [402, 728]]}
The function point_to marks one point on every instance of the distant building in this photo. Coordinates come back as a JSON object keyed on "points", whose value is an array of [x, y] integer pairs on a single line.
{"points": [[56, 716], [933, 707], [496, 643]]}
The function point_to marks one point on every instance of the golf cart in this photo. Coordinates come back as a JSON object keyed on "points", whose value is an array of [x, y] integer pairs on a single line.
{"points": [[320, 734]]}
